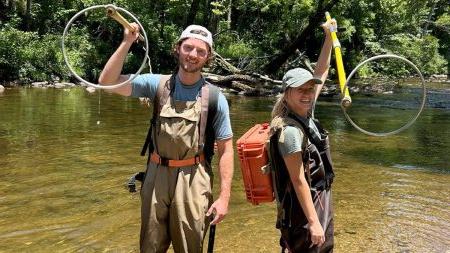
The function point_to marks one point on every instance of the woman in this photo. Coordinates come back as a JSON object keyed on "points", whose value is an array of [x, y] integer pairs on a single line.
{"points": [[302, 175]]}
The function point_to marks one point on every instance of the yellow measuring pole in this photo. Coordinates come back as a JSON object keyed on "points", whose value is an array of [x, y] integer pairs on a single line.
{"points": [[346, 100]]}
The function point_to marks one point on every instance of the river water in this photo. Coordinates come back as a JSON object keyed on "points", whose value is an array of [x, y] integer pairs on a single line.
{"points": [[65, 159]]}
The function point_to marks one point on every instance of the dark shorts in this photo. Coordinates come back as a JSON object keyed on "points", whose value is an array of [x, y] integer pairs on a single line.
{"points": [[297, 239]]}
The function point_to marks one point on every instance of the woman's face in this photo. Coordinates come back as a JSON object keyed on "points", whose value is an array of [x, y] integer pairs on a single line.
{"points": [[300, 99]]}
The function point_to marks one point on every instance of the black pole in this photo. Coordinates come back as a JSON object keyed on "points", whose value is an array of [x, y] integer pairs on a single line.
{"points": [[212, 233]]}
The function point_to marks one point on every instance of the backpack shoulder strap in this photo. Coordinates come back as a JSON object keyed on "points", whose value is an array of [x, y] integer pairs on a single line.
{"points": [[273, 155], [203, 116], [213, 98], [281, 182], [209, 134]]}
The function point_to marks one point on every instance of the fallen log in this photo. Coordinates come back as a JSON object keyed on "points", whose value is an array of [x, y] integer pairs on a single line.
{"points": [[244, 84]]}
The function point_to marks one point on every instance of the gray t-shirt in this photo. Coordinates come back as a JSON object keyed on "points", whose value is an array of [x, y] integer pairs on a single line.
{"points": [[291, 138], [145, 85]]}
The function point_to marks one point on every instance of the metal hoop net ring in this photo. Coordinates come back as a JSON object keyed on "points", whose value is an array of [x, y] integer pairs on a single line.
{"points": [[98, 86], [413, 118]]}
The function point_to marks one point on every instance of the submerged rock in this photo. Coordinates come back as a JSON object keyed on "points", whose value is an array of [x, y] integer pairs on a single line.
{"points": [[63, 85], [39, 84], [439, 77], [90, 89], [145, 101]]}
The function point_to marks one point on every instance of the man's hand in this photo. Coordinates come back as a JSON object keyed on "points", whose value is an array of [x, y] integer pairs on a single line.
{"points": [[219, 208], [131, 36]]}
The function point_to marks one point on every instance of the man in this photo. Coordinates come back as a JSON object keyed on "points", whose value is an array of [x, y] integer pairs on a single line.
{"points": [[176, 193]]}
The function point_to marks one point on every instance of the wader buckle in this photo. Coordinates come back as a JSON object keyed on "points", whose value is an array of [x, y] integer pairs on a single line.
{"points": [[154, 157]]}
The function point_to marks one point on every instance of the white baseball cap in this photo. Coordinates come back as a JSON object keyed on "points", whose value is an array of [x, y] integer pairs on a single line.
{"points": [[197, 32]]}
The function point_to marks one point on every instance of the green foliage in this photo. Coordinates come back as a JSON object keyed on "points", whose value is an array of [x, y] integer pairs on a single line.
{"points": [[218, 8], [255, 33], [14, 21], [421, 51], [13, 53], [444, 20], [39, 58], [80, 52], [236, 50]]}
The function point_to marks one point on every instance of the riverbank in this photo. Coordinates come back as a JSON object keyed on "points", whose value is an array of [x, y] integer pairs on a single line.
{"points": [[435, 84], [45, 85], [433, 79]]}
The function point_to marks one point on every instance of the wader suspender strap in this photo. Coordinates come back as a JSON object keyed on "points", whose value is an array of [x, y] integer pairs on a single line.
{"points": [[209, 98], [317, 141], [309, 134], [163, 87], [306, 156], [312, 136]]}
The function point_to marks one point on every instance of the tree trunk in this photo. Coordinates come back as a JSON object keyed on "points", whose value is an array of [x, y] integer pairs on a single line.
{"points": [[4, 8], [430, 16], [207, 12], [162, 18], [299, 42], [213, 23], [230, 4], [190, 19], [151, 4], [28, 16]]}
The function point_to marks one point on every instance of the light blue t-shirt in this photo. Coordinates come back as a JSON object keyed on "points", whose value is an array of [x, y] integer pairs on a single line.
{"points": [[145, 85], [293, 137]]}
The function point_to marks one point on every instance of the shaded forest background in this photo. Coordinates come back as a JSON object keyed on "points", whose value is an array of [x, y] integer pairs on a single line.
{"points": [[255, 36]]}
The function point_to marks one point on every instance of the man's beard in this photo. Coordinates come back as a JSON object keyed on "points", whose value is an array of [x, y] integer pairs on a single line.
{"points": [[190, 68]]}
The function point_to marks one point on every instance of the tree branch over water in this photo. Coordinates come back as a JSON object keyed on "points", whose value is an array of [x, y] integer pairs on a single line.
{"points": [[299, 42]]}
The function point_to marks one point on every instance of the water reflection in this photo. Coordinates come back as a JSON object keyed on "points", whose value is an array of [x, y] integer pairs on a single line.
{"points": [[63, 178]]}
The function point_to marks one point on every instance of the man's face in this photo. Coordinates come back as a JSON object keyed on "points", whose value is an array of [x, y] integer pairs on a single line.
{"points": [[192, 55]]}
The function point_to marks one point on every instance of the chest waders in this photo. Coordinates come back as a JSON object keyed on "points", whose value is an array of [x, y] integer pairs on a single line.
{"points": [[209, 95], [164, 90], [318, 168], [176, 191]]}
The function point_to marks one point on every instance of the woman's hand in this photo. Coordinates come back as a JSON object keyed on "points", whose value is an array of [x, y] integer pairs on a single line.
{"points": [[329, 26], [317, 234]]}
